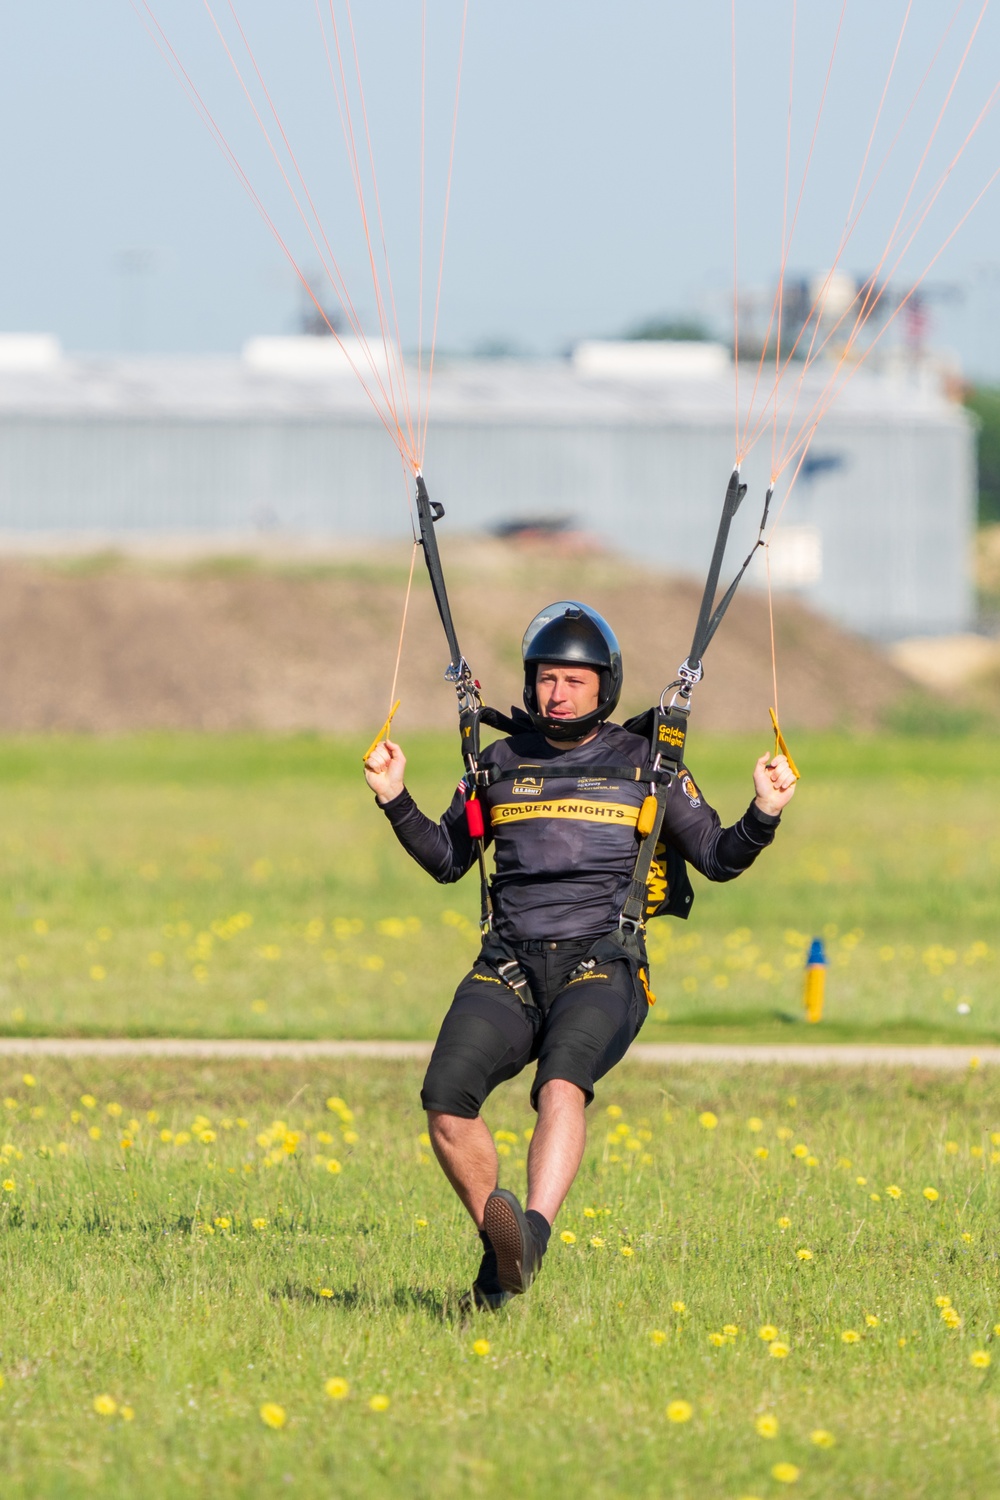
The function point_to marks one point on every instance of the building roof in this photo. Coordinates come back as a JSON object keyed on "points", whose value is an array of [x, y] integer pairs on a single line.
{"points": [[527, 391]]}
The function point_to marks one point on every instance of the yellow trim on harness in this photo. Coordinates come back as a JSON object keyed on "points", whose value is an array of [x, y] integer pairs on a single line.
{"points": [[383, 733], [780, 748], [576, 809]]}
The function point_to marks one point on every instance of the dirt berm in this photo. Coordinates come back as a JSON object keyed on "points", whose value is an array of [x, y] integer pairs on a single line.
{"points": [[109, 644]]}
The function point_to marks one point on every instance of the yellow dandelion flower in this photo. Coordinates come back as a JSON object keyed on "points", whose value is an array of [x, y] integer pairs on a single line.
{"points": [[785, 1473], [627, 1250], [29, 1080], [996, 1330], [871, 1320], [761, 1153], [597, 1242], [258, 1223], [94, 1132], [861, 1181], [850, 1336], [379, 1403], [767, 1332], [127, 1413], [333, 1165], [822, 1438], [893, 1191], [875, 1197], [481, 1347], [707, 1120], [326, 1291], [568, 1237], [784, 1222], [767, 1426], [901, 1342], [800, 1151], [717, 1340], [931, 1194], [680, 1411], [967, 1237], [755, 1124], [679, 1307], [614, 1111], [844, 1163], [784, 1133], [658, 1336], [273, 1415], [105, 1405], [730, 1330], [337, 1388], [942, 1301], [9, 1185], [778, 1350], [88, 1101], [804, 1253], [980, 1359], [951, 1147]]}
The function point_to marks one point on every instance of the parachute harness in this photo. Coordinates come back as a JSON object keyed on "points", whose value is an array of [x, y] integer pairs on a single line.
{"points": [[665, 724]]}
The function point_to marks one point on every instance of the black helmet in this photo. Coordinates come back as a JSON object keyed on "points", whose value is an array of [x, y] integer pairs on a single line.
{"points": [[569, 634]]}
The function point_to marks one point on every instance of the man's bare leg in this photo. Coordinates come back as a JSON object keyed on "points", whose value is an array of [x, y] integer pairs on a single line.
{"points": [[556, 1147], [468, 1158]]}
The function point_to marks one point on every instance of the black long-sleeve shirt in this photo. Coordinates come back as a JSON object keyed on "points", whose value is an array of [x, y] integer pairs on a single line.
{"points": [[565, 844]]}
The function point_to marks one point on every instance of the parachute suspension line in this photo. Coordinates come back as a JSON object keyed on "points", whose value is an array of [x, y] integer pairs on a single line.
{"points": [[423, 205], [785, 239], [395, 359], [871, 295], [402, 627], [818, 306], [736, 257], [332, 269], [806, 432], [787, 244], [444, 227], [163, 45], [770, 622], [832, 388]]}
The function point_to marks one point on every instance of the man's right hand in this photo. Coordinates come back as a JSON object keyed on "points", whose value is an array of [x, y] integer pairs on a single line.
{"points": [[384, 771]]}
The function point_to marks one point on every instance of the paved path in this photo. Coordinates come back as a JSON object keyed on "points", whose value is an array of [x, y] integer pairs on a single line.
{"points": [[788, 1054]]}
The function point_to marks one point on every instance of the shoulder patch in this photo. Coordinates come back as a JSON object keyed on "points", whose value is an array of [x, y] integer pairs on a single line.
{"points": [[690, 790]]}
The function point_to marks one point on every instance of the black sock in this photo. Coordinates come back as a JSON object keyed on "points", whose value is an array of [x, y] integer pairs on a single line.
{"points": [[487, 1278], [541, 1226]]}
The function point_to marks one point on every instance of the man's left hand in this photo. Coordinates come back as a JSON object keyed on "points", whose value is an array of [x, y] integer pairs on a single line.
{"points": [[774, 784]]}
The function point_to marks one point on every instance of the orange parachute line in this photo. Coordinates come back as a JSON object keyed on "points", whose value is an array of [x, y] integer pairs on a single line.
{"points": [[871, 295], [384, 380]]}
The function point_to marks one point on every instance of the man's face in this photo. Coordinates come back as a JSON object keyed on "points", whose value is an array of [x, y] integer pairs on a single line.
{"points": [[567, 692]]}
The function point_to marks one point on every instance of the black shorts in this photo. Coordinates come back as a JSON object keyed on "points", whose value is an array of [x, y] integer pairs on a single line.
{"points": [[577, 1025]]}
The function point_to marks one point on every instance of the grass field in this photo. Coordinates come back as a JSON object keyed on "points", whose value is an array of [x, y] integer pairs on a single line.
{"points": [[216, 1283], [245, 885]]}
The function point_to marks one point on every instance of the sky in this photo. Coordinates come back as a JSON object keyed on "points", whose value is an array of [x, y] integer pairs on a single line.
{"points": [[592, 185]]}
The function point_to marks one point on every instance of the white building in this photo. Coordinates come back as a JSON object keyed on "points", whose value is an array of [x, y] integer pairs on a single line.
{"points": [[634, 449]]}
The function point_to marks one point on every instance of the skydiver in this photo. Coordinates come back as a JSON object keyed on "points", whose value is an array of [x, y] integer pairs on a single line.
{"points": [[556, 981]]}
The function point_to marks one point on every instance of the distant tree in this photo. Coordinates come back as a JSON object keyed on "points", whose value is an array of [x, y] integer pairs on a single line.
{"points": [[670, 330], [984, 403]]}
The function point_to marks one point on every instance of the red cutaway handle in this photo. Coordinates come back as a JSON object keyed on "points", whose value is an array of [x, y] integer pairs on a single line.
{"points": [[474, 818]]}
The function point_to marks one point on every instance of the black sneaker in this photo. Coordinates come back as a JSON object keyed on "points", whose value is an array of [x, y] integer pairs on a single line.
{"points": [[518, 1252], [477, 1300]]}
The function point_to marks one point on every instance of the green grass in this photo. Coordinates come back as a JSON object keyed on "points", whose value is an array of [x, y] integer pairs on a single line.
{"points": [[246, 885], [135, 1272]]}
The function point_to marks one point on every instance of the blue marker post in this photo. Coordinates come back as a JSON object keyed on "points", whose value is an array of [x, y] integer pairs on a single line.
{"points": [[815, 981]]}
